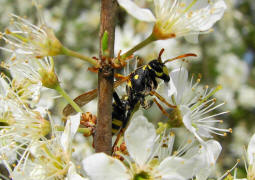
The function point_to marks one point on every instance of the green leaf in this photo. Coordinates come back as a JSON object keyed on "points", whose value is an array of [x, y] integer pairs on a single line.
{"points": [[104, 42]]}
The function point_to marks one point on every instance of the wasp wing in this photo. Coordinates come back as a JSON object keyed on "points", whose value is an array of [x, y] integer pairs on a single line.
{"points": [[85, 98]]}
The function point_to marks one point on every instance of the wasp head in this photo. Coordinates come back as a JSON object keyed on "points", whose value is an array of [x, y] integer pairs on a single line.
{"points": [[160, 70]]}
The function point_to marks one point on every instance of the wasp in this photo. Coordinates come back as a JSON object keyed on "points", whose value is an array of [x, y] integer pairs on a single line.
{"points": [[141, 83]]}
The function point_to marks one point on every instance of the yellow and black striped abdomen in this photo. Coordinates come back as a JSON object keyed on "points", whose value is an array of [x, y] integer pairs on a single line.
{"points": [[116, 125]]}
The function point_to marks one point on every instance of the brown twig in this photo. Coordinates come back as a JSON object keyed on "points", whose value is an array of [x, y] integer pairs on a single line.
{"points": [[103, 135]]}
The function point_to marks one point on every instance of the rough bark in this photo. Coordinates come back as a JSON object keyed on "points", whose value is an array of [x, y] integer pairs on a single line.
{"points": [[103, 136]]}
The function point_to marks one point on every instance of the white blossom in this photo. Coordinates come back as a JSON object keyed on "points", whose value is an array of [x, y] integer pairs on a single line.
{"points": [[40, 72], [194, 106], [25, 38], [233, 72], [125, 38], [23, 91], [178, 17], [246, 96], [51, 159]]}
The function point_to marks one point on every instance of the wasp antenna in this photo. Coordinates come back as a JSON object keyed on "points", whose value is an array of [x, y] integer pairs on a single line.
{"points": [[180, 57], [160, 54]]}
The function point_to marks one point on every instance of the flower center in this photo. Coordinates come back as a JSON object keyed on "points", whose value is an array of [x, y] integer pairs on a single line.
{"points": [[175, 118], [141, 176]]}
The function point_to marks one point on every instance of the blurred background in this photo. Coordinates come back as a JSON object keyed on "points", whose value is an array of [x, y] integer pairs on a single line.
{"points": [[225, 57]]}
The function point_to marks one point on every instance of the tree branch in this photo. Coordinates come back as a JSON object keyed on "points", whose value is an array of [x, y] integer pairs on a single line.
{"points": [[103, 136]]}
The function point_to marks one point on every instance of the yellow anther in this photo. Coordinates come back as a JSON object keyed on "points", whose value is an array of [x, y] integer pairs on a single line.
{"points": [[212, 10], [182, 5], [199, 76], [7, 31], [189, 141], [219, 87], [230, 130], [211, 30], [190, 14]]}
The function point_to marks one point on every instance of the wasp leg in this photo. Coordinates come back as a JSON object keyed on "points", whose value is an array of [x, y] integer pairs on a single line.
{"points": [[162, 99], [120, 134], [118, 113], [117, 99], [161, 108]]}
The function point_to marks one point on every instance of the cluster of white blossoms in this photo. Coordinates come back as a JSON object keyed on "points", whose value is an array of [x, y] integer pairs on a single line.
{"points": [[151, 156], [34, 147], [25, 149]]}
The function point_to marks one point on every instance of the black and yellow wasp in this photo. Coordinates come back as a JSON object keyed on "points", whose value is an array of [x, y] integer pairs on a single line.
{"points": [[140, 83]]}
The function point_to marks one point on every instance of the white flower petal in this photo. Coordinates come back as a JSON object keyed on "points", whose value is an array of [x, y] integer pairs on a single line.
{"points": [[178, 83], [213, 149], [177, 167], [139, 138], [172, 176], [187, 121], [73, 175], [75, 123], [251, 150], [208, 156], [139, 13], [71, 128], [65, 139], [212, 13], [204, 132], [102, 167], [202, 15]]}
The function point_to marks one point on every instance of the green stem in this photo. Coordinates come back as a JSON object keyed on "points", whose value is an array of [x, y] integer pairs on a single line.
{"points": [[72, 53], [80, 130], [59, 128], [67, 97], [140, 45], [84, 130]]}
